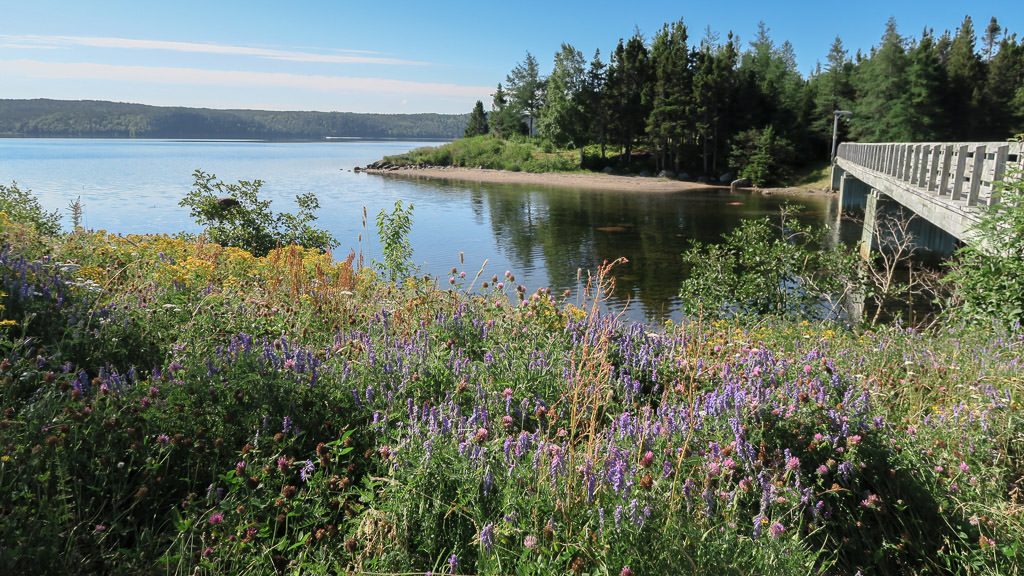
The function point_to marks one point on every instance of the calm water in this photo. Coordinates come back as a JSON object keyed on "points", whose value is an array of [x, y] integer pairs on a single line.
{"points": [[542, 235]]}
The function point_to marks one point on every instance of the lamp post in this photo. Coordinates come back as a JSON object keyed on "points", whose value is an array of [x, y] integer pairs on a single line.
{"points": [[835, 128]]}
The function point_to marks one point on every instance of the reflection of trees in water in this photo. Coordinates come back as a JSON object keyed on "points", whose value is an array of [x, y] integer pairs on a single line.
{"points": [[579, 229]]}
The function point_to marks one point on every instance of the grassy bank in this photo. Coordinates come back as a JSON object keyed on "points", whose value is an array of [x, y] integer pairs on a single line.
{"points": [[176, 407], [518, 155]]}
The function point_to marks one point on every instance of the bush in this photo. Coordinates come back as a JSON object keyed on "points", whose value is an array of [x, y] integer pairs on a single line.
{"points": [[988, 274], [517, 154], [21, 206], [763, 269], [234, 215]]}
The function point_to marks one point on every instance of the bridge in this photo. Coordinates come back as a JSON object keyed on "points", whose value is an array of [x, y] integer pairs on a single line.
{"points": [[946, 184]]}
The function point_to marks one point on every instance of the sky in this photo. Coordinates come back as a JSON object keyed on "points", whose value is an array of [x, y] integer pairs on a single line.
{"points": [[399, 56]]}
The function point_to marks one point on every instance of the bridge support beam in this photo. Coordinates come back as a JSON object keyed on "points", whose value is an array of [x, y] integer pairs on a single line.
{"points": [[867, 235], [837, 175], [853, 194]]}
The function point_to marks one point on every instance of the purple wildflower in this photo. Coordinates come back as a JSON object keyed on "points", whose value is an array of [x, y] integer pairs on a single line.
{"points": [[487, 536], [306, 471], [776, 530], [453, 562], [216, 518]]}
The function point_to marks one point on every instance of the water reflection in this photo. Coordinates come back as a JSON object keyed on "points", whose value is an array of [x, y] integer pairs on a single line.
{"points": [[559, 232]]}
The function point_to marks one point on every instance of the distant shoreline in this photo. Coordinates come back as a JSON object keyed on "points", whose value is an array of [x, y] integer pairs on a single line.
{"points": [[571, 180]]}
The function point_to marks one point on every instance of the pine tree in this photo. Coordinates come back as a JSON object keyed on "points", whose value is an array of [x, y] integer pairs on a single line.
{"points": [[991, 38], [629, 92], [595, 104], [926, 79], [477, 125], [562, 119], [1003, 97], [830, 89], [714, 87], [526, 89], [671, 116], [776, 93], [882, 112], [966, 75], [504, 120]]}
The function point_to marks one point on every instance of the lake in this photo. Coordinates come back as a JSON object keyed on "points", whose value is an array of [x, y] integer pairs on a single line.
{"points": [[543, 236]]}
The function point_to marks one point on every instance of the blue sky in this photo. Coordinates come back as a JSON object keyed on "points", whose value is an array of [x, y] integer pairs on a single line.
{"points": [[397, 56]]}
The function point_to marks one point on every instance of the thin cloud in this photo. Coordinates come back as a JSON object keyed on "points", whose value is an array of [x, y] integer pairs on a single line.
{"points": [[232, 78], [340, 57]]}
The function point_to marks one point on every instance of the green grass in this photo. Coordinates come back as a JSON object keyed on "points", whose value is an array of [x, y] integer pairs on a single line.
{"points": [[518, 155], [816, 176]]}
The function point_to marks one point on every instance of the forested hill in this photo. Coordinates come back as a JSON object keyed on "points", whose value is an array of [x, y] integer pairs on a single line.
{"points": [[96, 119]]}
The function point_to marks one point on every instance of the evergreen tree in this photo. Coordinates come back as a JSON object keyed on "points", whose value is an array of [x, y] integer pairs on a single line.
{"points": [[1003, 97], [562, 120], [526, 90], [594, 102], [477, 125], [777, 85], [882, 112], [629, 90], [926, 79], [714, 87], [671, 116], [991, 38], [829, 90], [966, 75], [504, 119]]}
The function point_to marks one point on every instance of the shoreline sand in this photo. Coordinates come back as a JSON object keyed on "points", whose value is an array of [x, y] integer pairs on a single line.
{"points": [[573, 180]]}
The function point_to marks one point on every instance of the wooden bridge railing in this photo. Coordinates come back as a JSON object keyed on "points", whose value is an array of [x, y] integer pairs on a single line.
{"points": [[961, 172]]}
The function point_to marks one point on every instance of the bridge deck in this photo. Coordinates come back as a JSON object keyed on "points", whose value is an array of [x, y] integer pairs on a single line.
{"points": [[947, 184]]}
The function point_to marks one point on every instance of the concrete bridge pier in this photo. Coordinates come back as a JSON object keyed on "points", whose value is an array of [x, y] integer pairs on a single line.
{"points": [[856, 197]]}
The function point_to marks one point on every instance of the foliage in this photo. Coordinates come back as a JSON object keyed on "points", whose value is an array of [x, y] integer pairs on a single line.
{"points": [[762, 156], [563, 119], [234, 215], [393, 230], [526, 90], [516, 154], [21, 206], [94, 119], [504, 120], [628, 86], [988, 274], [761, 269], [683, 108], [477, 125], [671, 115]]}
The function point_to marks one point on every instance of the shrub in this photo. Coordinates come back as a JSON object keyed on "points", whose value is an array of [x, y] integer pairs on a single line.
{"points": [[234, 215], [988, 274], [21, 206], [763, 269]]}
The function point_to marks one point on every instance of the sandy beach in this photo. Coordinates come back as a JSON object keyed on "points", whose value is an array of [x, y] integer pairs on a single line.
{"points": [[574, 180]]}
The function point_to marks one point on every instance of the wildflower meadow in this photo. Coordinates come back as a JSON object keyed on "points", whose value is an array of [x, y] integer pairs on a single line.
{"points": [[173, 406]]}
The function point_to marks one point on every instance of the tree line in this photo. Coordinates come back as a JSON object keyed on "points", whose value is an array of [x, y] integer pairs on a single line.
{"points": [[715, 106], [97, 119]]}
